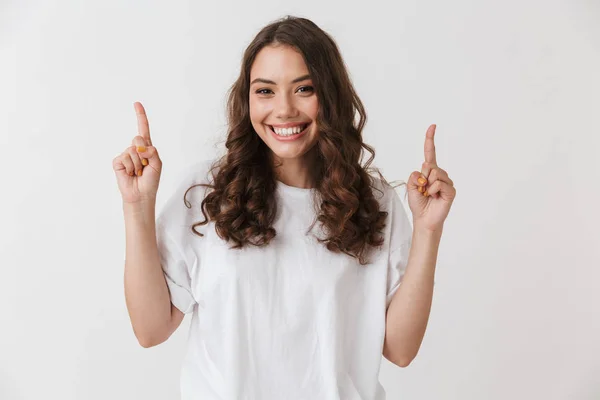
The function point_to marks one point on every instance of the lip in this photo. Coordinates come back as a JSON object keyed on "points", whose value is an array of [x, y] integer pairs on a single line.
{"points": [[288, 138]]}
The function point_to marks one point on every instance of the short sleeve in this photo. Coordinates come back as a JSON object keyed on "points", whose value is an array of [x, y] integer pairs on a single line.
{"points": [[176, 241], [400, 241], [177, 271]]}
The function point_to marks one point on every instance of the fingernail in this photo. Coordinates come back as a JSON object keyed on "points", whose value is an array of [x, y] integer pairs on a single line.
{"points": [[141, 149], [422, 181], [140, 172], [131, 173], [144, 161], [426, 193], [421, 189]]}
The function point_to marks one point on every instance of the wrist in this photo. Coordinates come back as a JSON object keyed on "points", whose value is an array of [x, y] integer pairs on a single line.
{"points": [[138, 209], [425, 230]]}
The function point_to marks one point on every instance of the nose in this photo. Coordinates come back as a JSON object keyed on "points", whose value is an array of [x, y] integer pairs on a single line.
{"points": [[285, 107]]}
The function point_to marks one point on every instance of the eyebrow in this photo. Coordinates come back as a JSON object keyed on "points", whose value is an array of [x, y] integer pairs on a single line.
{"points": [[269, 82]]}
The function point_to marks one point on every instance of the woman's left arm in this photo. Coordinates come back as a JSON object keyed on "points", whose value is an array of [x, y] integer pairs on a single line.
{"points": [[408, 312], [430, 196]]}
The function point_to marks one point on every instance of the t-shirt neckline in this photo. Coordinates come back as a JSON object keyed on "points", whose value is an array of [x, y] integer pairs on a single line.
{"points": [[293, 189]]}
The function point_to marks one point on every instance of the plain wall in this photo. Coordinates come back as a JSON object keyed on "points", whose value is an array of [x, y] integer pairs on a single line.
{"points": [[513, 87]]}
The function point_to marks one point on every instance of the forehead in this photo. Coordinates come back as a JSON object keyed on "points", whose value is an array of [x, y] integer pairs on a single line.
{"points": [[278, 63]]}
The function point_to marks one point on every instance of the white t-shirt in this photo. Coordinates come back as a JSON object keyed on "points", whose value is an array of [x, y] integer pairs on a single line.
{"points": [[291, 320]]}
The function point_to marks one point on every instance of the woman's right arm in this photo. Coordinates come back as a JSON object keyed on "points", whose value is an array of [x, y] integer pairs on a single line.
{"points": [[138, 170], [152, 315]]}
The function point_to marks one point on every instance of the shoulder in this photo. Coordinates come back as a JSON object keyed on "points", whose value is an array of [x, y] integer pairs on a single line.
{"points": [[183, 204], [197, 174], [398, 231], [389, 195], [194, 181]]}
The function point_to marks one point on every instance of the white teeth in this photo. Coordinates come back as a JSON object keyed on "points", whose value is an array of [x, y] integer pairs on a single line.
{"points": [[289, 131]]}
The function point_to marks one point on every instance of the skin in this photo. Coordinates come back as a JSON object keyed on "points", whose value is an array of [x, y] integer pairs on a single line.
{"points": [[431, 193], [281, 92], [138, 171]]}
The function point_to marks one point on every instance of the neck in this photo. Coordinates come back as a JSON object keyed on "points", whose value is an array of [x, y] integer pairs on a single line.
{"points": [[297, 172]]}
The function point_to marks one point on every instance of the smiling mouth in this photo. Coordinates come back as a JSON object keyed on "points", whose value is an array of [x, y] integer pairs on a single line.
{"points": [[287, 132]]}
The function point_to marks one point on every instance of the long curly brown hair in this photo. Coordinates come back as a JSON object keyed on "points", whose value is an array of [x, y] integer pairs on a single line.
{"points": [[242, 200]]}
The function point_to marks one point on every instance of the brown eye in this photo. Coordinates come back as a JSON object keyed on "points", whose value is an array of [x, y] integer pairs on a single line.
{"points": [[306, 89], [264, 91]]}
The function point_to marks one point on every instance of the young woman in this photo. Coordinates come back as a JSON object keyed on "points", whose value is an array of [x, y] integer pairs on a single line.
{"points": [[288, 254]]}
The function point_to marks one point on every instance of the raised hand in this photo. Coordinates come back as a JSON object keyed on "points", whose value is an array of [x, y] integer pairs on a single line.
{"points": [[431, 191], [138, 168]]}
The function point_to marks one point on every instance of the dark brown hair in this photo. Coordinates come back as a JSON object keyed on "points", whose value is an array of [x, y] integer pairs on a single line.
{"points": [[242, 200]]}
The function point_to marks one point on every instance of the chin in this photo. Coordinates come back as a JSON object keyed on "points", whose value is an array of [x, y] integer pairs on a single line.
{"points": [[285, 154]]}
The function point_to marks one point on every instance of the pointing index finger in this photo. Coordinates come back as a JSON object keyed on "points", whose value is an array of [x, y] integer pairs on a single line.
{"points": [[430, 145], [142, 122]]}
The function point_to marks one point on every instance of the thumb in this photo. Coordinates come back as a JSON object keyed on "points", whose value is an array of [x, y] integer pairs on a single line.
{"points": [[417, 183]]}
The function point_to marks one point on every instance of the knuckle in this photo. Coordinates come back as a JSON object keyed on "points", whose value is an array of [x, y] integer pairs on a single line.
{"points": [[138, 140]]}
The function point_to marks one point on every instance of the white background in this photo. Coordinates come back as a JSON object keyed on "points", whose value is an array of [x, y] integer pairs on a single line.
{"points": [[513, 86]]}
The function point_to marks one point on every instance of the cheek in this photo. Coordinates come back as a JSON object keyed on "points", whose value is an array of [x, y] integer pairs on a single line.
{"points": [[258, 111], [312, 108], [253, 109]]}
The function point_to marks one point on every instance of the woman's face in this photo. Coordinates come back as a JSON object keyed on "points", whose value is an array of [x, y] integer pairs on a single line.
{"points": [[283, 102]]}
